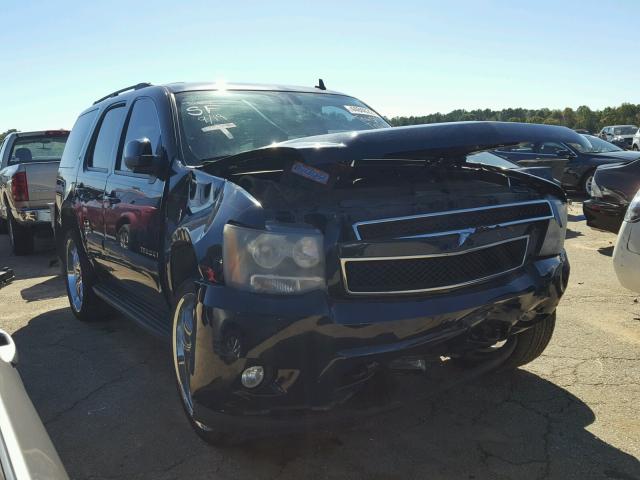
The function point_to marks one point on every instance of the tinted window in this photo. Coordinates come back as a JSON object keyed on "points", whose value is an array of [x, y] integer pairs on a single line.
{"points": [[595, 145], [143, 123], [38, 148], [104, 150], [521, 148], [77, 138], [549, 148], [626, 130]]}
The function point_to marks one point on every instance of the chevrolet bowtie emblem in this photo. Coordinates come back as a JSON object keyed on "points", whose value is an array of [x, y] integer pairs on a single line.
{"points": [[464, 234]]}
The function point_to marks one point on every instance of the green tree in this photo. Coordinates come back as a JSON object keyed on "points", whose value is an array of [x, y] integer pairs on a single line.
{"points": [[4, 134]]}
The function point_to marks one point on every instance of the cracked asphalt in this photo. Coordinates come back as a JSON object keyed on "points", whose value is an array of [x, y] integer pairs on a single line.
{"points": [[106, 394]]}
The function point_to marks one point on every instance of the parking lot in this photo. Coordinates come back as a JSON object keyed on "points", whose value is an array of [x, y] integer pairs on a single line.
{"points": [[106, 394]]}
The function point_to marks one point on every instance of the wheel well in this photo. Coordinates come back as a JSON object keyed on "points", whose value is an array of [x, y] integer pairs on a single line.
{"points": [[183, 265]]}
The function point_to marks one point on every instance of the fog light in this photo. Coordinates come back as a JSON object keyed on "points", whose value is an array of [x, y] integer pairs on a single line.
{"points": [[252, 377]]}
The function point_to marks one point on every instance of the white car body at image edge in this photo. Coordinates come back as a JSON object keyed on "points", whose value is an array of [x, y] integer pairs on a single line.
{"points": [[26, 451], [626, 255]]}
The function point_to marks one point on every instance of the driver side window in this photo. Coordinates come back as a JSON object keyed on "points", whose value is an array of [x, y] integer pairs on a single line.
{"points": [[550, 148], [143, 123]]}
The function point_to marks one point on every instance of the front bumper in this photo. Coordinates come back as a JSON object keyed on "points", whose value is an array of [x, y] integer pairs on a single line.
{"points": [[318, 352], [603, 215]]}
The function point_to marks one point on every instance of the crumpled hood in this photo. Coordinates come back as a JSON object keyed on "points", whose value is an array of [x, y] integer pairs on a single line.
{"points": [[433, 140], [449, 141]]}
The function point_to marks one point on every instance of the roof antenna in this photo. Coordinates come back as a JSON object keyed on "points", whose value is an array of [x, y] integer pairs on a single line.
{"points": [[321, 85]]}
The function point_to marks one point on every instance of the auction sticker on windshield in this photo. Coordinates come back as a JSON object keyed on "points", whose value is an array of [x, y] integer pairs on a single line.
{"points": [[353, 109]]}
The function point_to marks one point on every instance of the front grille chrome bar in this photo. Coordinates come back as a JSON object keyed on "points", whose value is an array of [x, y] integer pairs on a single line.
{"points": [[344, 261], [356, 225]]}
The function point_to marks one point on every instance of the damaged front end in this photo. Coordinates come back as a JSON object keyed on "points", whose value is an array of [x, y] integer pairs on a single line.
{"points": [[328, 259]]}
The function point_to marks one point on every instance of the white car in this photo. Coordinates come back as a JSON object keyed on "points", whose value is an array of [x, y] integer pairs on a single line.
{"points": [[26, 451], [626, 255], [635, 143]]}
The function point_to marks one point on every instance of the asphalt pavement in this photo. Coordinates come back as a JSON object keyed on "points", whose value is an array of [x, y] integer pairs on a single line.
{"points": [[105, 391]]}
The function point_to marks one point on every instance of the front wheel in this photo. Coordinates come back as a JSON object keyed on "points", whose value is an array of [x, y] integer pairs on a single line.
{"points": [[183, 343], [529, 345], [79, 280]]}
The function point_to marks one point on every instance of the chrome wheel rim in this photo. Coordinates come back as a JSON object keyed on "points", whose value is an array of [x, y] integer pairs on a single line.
{"points": [[123, 237], [588, 184], [74, 276], [183, 323]]}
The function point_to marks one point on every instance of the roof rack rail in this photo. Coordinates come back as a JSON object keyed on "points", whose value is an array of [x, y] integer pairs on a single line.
{"points": [[138, 86]]}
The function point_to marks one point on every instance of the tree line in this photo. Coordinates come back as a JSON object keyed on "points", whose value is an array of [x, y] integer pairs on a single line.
{"points": [[582, 117]]}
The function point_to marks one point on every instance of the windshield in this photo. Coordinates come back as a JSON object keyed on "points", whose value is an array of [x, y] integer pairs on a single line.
{"points": [[626, 130], [597, 145], [216, 124], [39, 148]]}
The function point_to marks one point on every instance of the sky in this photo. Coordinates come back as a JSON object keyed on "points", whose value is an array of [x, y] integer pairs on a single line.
{"points": [[402, 57]]}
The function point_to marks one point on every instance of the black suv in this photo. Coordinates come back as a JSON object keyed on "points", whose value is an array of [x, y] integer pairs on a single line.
{"points": [[292, 246]]}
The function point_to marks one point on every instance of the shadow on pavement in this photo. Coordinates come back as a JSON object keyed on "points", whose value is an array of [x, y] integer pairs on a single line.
{"points": [[48, 289], [106, 393], [573, 234], [606, 251]]}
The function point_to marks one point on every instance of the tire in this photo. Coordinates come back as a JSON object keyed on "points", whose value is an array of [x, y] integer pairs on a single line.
{"points": [[79, 281], [529, 345], [634, 147], [20, 237], [184, 329], [3, 226]]}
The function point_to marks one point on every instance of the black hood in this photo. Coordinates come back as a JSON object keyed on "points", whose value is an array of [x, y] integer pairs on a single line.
{"points": [[448, 141], [623, 156]]}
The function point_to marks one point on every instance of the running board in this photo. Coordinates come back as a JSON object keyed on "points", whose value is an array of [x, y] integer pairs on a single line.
{"points": [[145, 314]]}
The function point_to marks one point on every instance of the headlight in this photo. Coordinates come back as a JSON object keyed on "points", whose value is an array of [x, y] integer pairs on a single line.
{"points": [[284, 261], [633, 211], [556, 231]]}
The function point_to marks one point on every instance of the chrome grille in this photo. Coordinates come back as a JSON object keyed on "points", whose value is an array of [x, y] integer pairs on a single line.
{"points": [[453, 221], [423, 273]]}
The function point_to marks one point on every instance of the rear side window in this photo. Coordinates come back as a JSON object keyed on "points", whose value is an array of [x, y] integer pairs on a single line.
{"points": [[106, 145], [39, 148], [143, 123], [77, 138]]}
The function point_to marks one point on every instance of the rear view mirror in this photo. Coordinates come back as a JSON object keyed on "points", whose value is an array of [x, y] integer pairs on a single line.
{"points": [[139, 157]]}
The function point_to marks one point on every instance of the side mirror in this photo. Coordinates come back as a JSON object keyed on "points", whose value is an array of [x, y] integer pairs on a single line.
{"points": [[139, 157]]}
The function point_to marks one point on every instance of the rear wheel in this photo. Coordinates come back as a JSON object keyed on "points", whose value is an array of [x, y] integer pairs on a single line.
{"points": [[183, 347], [635, 147], [20, 237], [79, 280], [529, 345]]}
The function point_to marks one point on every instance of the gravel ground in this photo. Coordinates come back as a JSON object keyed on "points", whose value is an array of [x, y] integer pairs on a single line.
{"points": [[106, 395]]}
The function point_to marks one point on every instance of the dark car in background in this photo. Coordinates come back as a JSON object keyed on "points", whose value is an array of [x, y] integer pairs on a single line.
{"points": [[613, 189], [578, 161], [291, 246]]}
